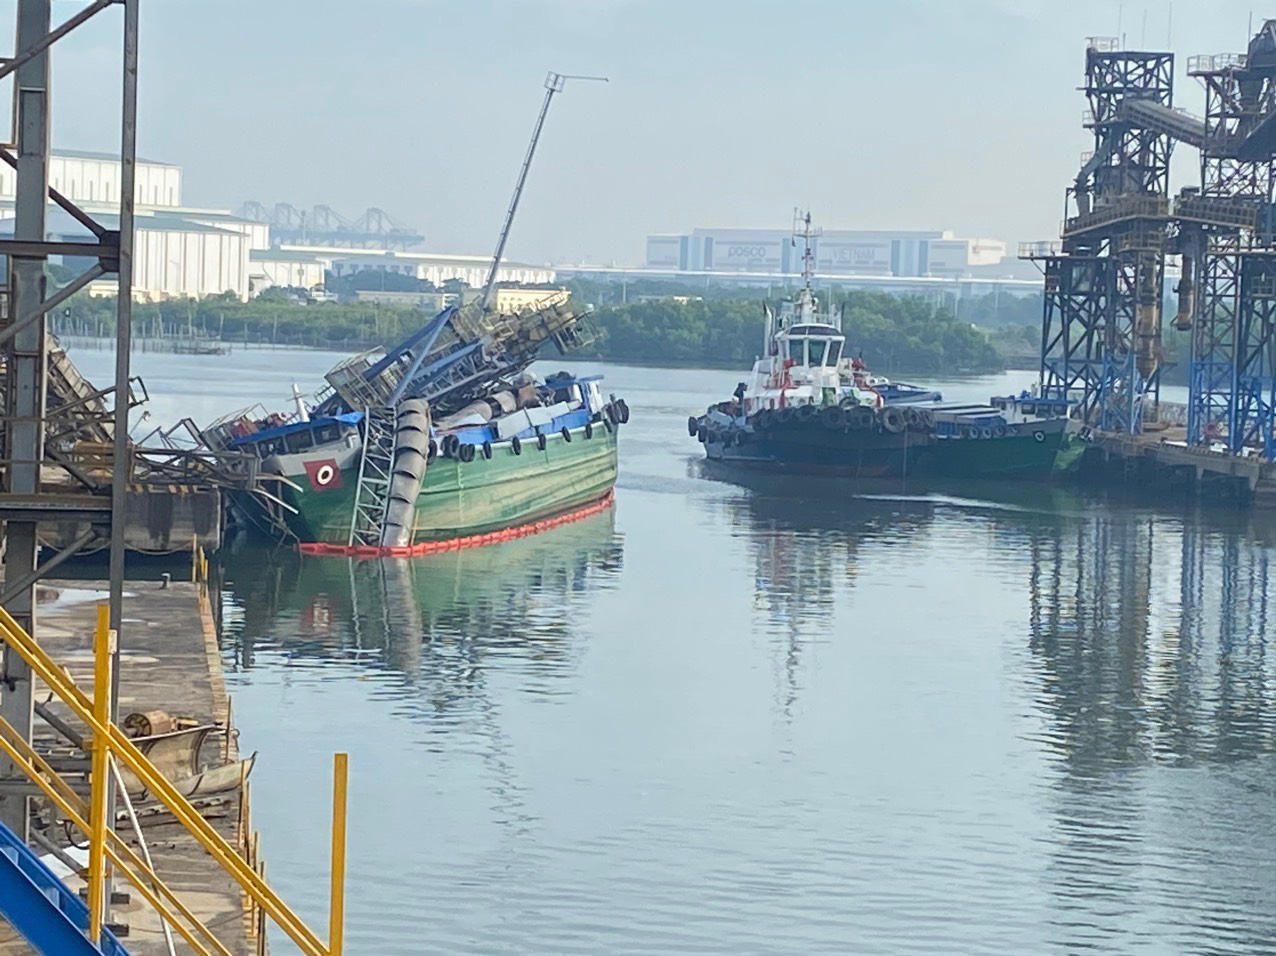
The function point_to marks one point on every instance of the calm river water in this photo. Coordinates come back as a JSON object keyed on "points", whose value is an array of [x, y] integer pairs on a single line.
{"points": [[767, 718]]}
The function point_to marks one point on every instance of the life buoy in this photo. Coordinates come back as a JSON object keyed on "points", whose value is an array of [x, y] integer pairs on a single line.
{"points": [[1039, 436], [516, 446], [567, 435]]}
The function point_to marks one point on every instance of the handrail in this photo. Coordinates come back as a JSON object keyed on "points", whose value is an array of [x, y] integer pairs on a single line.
{"points": [[111, 739]]}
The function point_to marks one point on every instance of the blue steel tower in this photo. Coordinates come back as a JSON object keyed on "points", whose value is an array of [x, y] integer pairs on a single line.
{"points": [[1101, 326], [1234, 320]]}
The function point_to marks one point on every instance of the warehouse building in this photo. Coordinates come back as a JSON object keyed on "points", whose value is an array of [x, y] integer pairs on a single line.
{"points": [[838, 252]]}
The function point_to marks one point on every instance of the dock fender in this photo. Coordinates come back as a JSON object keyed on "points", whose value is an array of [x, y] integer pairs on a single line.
{"points": [[833, 418], [893, 419]]}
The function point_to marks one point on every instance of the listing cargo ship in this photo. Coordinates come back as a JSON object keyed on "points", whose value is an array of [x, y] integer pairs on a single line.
{"points": [[809, 406], [445, 439]]}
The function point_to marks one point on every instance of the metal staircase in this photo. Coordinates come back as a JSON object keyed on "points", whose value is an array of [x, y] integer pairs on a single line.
{"points": [[376, 467], [44, 911]]}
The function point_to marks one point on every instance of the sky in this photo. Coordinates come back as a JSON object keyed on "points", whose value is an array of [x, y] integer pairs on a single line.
{"points": [[899, 114]]}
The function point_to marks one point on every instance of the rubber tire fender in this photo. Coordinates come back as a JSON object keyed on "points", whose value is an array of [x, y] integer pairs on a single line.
{"points": [[487, 450], [567, 435], [589, 429], [516, 445], [693, 423], [540, 440]]}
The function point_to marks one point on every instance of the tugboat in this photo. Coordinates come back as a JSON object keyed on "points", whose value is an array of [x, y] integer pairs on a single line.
{"points": [[808, 407]]}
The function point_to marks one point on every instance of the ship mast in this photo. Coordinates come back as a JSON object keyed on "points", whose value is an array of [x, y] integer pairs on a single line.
{"points": [[806, 298], [554, 83]]}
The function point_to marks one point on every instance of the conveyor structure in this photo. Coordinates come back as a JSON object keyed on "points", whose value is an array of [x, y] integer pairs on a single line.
{"points": [[1102, 326]]}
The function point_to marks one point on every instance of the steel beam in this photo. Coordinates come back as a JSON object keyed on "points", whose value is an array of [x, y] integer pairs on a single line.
{"points": [[25, 354]]}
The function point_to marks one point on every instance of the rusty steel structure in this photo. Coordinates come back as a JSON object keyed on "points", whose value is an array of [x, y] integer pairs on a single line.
{"points": [[1101, 344], [1101, 329], [39, 481]]}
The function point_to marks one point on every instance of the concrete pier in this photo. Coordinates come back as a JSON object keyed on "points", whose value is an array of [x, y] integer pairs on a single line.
{"points": [[1162, 461], [169, 661]]}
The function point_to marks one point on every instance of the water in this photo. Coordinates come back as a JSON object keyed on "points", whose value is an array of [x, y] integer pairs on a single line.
{"points": [[754, 719]]}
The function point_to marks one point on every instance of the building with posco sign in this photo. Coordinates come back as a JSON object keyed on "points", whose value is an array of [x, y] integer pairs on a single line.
{"points": [[837, 252]]}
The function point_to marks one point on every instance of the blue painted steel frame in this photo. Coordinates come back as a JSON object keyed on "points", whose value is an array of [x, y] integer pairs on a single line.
{"points": [[42, 908]]}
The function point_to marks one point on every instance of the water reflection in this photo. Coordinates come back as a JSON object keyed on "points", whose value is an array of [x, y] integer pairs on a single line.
{"points": [[1149, 635], [805, 537], [434, 621]]}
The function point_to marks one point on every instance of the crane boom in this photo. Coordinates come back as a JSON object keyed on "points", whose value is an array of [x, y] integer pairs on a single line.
{"points": [[554, 83]]}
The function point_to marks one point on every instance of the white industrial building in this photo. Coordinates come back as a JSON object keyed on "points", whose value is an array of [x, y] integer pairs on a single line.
{"points": [[184, 252], [431, 267], [838, 252]]}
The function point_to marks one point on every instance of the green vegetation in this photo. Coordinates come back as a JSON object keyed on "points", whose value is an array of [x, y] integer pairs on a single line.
{"points": [[723, 328], [893, 333]]}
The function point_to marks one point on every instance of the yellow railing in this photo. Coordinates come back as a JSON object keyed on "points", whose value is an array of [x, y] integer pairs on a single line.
{"points": [[110, 744]]}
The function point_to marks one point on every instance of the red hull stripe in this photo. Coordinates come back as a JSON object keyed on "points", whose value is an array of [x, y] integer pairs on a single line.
{"points": [[456, 544]]}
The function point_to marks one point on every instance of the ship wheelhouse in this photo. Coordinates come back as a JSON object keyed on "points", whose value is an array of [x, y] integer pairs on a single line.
{"points": [[812, 345]]}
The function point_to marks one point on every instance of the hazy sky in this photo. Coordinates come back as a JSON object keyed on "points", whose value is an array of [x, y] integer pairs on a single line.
{"points": [[959, 115]]}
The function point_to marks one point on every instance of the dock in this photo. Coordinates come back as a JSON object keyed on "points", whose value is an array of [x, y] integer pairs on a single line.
{"points": [[1163, 461], [169, 661]]}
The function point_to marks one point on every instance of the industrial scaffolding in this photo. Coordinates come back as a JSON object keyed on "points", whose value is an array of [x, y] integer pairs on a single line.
{"points": [[1101, 343]]}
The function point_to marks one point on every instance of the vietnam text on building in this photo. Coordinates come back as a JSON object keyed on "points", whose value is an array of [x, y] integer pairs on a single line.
{"points": [[837, 252]]}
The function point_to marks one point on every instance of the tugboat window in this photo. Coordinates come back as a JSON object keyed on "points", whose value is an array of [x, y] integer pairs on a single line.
{"points": [[795, 350], [835, 352], [816, 347]]}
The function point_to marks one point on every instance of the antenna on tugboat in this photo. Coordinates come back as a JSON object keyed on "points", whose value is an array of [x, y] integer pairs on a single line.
{"points": [[554, 83]]}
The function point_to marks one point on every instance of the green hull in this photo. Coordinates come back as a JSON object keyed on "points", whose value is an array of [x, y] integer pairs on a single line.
{"points": [[477, 497], [1014, 456]]}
